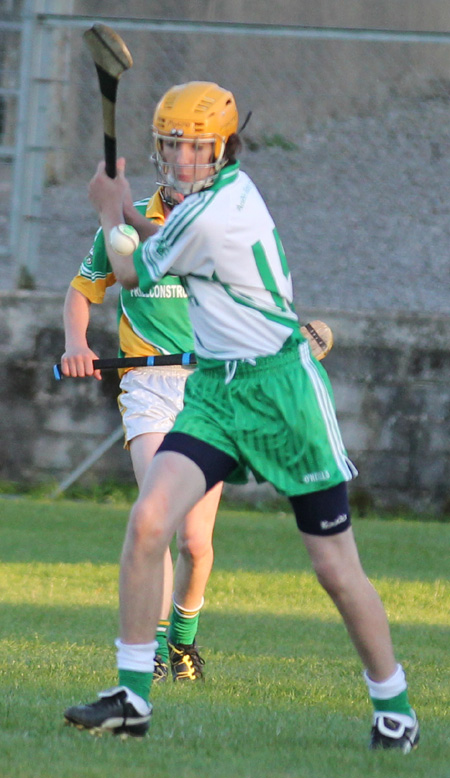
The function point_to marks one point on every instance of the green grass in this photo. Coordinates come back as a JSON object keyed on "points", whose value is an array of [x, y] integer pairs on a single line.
{"points": [[284, 695]]}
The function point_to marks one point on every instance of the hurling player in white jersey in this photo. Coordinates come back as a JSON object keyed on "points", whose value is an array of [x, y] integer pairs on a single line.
{"points": [[152, 323], [258, 401]]}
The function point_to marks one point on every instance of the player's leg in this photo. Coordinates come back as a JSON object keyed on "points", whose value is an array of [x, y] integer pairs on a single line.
{"points": [[142, 450], [149, 403], [334, 555], [175, 481], [193, 568], [324, 519], [336, 563], [170, 488]]}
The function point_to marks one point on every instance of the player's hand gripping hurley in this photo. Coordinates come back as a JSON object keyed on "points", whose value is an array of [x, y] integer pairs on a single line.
{"points": [[111, 58]]}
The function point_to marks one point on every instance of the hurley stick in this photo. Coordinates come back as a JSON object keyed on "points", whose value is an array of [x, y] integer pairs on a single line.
{"points": [[111, 58], [318, 334]]}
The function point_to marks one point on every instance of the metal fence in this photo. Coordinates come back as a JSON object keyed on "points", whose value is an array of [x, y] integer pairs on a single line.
{"points": [[348, 141]]}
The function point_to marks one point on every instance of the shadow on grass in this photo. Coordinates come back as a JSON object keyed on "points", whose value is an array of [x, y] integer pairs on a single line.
{"points": [[243, 540], [290, 637]]}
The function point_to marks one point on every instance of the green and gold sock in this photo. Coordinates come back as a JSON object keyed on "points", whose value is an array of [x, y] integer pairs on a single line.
{"points": [[184, 624], [161, 638]]}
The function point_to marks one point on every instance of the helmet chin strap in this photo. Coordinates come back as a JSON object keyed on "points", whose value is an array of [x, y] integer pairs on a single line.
{"points": [[168, 198]]}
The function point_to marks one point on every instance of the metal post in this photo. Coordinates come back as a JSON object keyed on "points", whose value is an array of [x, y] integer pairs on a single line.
{"points": [[37, 78], [90, 460], [19, 246]]}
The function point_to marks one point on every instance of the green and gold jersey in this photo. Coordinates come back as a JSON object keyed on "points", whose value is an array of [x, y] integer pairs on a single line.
{"points": [[152, 322]]}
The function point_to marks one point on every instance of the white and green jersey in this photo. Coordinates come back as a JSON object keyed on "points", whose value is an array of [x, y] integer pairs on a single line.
{"points": [[224, 245]]}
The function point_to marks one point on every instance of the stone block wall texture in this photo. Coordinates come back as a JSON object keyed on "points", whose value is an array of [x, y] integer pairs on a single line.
{"points": [[391, 379]]}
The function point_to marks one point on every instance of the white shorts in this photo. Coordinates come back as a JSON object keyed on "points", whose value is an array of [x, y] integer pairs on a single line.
{"points": [[151, 398]]}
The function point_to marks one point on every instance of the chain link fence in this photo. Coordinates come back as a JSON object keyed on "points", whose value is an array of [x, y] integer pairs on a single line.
{"points": [[349, 142]]}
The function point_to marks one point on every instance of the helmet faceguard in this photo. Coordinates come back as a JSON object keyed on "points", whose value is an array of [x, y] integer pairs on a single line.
{"points": [[202, 116]]}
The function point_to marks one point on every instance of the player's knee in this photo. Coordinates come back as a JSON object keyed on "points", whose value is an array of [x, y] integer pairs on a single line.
{"points": [[332, 576], [194, 545], [146, 529]]}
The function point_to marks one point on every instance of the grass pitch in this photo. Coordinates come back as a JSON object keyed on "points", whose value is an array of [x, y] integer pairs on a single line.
{"points": [[284, 695]]}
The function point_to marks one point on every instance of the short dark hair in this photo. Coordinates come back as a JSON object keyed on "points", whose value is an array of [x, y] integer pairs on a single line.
{"points": [[233, 147]]}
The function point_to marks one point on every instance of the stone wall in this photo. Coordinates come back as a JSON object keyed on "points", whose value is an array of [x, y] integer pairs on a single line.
{"points": [[48, 427], [391, 377]]}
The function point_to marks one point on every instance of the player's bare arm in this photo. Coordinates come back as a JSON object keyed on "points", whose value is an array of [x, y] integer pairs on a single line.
{"points": [[78, 357]]}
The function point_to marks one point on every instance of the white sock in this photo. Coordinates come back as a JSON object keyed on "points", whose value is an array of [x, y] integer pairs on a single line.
{"points": [[385, 690], [139, 657], [391, 687]]}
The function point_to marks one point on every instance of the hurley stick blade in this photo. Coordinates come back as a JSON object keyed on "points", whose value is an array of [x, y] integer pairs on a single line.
{"points": [[111, 58], [108, 50], [320, 338]]}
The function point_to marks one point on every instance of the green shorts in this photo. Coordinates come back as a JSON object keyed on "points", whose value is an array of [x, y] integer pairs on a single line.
{"points": [[275, 416]]}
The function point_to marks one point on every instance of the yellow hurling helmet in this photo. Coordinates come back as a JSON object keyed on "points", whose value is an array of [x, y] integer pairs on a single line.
{"points": [[199, 112]]}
